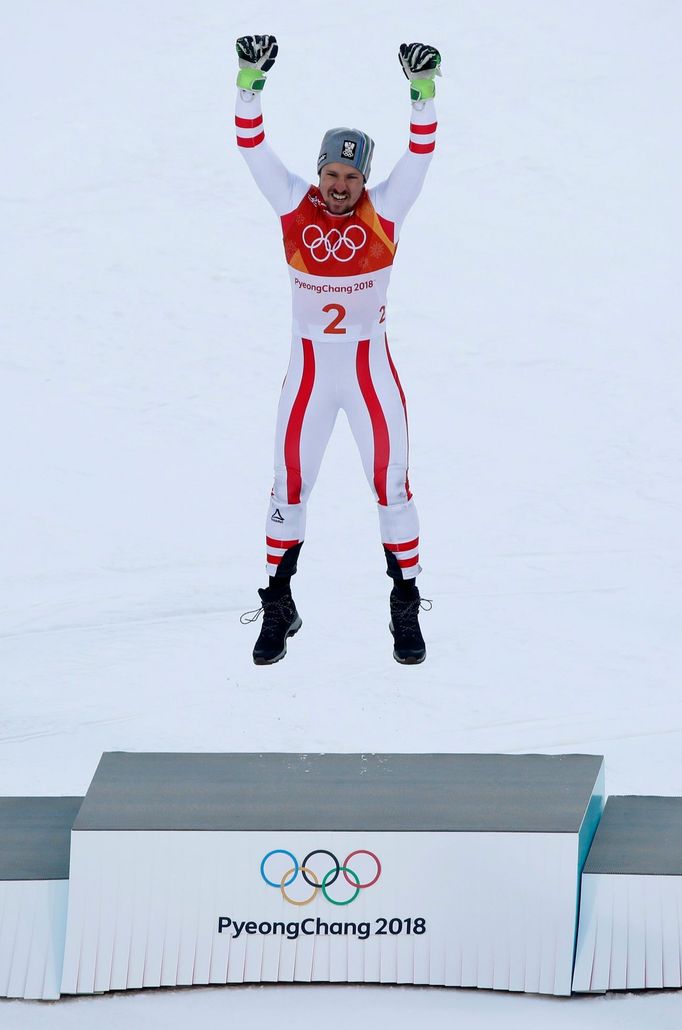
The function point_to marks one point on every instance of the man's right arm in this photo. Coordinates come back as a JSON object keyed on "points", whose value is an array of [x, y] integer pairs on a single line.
{"points": [[281, 188]]}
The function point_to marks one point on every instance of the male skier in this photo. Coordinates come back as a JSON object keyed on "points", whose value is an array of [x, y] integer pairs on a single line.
{"points": [[339, 240]]}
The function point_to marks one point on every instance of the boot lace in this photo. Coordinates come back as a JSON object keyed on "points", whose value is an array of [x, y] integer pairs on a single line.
{"points": [[274, 613], [246, 617], [404, 613]]}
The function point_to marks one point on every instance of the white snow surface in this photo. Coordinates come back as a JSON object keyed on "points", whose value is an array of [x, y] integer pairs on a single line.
{"points": [[535, 321]]}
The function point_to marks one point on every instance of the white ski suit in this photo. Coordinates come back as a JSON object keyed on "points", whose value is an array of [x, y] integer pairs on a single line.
{"points": [[339, 266]]}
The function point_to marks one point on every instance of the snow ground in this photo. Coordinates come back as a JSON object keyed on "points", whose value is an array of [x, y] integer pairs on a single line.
{"points": [[144, 329]]}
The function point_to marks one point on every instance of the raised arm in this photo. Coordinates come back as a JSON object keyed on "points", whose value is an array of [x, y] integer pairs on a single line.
{"points": [[281, 188], [394, 197]]}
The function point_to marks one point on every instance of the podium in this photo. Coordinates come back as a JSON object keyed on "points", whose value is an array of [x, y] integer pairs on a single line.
{"points": [[442, 869], [630, 933], [34, 872]]}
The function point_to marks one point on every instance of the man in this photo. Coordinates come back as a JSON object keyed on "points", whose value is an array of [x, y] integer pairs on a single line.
{"points": [[340, 240]]}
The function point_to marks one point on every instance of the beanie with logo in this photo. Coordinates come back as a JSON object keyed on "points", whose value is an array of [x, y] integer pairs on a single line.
{"points": [[350, 147]]}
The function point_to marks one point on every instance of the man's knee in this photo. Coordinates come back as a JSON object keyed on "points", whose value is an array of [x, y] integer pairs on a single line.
{"points": [[291, 487], [396, 484]]}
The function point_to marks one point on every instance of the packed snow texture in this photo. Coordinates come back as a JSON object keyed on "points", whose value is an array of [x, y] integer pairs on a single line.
{"points": [[535, 321]]}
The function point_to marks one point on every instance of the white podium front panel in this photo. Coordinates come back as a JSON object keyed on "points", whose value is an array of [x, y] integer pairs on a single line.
{"points": [[168, 908], [34, 868], [630, 934], [454, 870]]}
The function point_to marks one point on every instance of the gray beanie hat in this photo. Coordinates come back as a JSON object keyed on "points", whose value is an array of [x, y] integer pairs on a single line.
{"points": [[350, 146]]}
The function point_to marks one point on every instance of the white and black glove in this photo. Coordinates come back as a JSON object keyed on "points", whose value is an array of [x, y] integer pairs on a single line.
{"points": [[256, 57], [421, 63]]}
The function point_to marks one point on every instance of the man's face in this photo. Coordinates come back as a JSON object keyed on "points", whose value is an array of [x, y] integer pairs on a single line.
{"points": [[340, 186]]}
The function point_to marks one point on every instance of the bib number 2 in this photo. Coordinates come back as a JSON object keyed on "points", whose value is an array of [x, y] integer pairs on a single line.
{"points": [[333, 327]]}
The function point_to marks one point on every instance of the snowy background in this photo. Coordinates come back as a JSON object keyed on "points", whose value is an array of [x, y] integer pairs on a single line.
{"points": [[144, 327]]}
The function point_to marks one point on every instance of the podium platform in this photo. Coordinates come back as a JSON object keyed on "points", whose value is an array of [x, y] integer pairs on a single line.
{"points": [[630, 933], [441, 869], [34, 872]]}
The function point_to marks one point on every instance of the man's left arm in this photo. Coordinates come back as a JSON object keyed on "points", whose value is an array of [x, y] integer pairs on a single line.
{"points": [[394, 197]]}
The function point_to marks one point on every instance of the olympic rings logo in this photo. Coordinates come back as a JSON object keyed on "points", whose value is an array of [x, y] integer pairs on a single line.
{"points": [[340, 245], [316, 880]]}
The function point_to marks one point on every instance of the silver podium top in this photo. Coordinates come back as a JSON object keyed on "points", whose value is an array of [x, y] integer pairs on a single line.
{"points": [[394, 792], [638, 834], [35, 837]]}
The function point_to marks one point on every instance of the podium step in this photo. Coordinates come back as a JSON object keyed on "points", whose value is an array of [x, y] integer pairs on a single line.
{"points": [[630, 934], [34, 871], [439, 869], [379, 792]]}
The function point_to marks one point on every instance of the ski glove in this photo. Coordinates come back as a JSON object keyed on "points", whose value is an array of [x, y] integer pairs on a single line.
{"points": [[421, 63], [256, 57]]}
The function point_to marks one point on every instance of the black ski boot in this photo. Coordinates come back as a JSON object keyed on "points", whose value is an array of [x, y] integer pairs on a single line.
{"points": [[280, 621], [409, 647]]}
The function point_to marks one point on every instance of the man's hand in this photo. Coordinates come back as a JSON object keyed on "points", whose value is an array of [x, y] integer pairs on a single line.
{"points": [[256, 57], [420, 63]]}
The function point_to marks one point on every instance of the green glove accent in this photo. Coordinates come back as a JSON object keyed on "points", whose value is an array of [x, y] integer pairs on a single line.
{"points": [[250, 78], [422, 89]]}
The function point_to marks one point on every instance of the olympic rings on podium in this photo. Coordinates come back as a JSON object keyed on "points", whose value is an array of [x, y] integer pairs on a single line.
{"points": [[313, 879]]}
